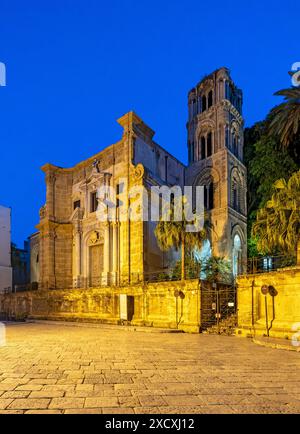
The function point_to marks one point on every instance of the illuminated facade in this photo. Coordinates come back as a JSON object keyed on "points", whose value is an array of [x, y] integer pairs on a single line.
{"points": [[77, 250]]}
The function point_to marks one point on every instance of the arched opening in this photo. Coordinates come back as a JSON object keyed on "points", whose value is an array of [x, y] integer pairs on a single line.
{"points": [[237, 255], [236, 191], [209, 144], [209, 196], [210, 99], [202, 255], [203, 146], [227, 136], [203, 103], [235, 197]]}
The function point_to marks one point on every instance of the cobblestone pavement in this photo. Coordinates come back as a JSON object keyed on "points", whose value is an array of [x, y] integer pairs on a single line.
{"points": [[64, 369]]}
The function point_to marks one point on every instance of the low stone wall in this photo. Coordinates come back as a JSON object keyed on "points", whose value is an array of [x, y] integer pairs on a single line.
{"points": [[283, 310], [155, 305]]}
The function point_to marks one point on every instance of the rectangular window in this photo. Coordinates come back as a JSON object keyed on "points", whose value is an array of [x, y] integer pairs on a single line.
{"points": [[93, 202], [120, 190], [76, 204]]}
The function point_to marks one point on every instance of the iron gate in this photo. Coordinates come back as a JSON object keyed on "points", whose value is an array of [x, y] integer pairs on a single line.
{"points": [[218, 304]]}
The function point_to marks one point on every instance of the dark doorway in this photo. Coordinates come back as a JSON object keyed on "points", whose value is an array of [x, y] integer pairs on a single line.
{"points": [[130, 307]]}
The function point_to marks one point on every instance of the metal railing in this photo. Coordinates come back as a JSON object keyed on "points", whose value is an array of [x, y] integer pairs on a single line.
{"points": [[267, 264], [251, 266]]}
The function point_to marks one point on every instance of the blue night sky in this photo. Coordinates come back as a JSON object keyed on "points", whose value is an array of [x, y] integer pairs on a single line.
{"points": [[74, 67]]}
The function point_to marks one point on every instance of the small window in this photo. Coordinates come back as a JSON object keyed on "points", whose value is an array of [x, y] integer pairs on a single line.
{"points": [[94, 202], [76, 204], [120, 188]]}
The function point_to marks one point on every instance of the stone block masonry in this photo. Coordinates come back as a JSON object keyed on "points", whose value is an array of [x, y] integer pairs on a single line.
{"points": [[154, 305], [282, 309]]}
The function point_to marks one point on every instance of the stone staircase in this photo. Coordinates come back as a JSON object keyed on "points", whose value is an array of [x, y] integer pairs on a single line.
{"points": [[226, 327]]}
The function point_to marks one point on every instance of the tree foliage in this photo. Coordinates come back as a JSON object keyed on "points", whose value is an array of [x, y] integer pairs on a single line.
{"points": [[268, 159], [174, 234], [286, 119], [277, 226]]}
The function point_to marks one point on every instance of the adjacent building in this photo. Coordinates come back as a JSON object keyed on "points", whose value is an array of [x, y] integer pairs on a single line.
{"points": [[20, 261]]}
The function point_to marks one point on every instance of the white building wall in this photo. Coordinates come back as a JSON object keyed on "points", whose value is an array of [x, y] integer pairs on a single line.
{"points": [[5, 249]]}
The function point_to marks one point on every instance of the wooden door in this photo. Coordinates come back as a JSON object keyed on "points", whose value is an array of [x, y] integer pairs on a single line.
{"points": [[96, 265]]}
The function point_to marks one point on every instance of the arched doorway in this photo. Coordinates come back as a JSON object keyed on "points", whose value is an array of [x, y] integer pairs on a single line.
{"points": [[236, 255], [203, 255]]}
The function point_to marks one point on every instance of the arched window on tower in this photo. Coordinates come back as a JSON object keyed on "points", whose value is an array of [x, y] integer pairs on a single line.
{"points": [[235, 197], [236, 255], [203, 146], [234, 145], [235, 194], [203, 103], [210, 99], [209, 196], [227, 136], [209, 144]]}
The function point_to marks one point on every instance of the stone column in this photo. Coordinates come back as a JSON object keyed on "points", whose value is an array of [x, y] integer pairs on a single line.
{"points": [[115, 253], [106, 253], [77, 273]]}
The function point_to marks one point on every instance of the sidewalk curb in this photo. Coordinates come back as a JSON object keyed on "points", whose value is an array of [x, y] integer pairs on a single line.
{"points": [[105, 326], [275, 346]]}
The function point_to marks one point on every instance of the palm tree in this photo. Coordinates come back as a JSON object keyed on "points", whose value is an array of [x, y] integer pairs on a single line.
{"points": [[217, 269], [173, 233], [285, 121], [278, 223]]}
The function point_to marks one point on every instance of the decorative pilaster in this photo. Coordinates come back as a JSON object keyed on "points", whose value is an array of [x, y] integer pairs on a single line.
{"points": [[77, 262], [106, 255], [50, 194], [115, 249]]}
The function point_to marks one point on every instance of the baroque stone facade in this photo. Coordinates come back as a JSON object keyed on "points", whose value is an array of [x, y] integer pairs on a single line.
{"points": [[78, 250]]}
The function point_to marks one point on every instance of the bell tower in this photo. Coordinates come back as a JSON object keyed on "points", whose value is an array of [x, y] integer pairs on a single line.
{"points": [[215, 161]]}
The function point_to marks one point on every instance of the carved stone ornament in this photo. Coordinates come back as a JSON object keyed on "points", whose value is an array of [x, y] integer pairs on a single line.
{"points": [[138, 172], [43, 212], [94, 238]]}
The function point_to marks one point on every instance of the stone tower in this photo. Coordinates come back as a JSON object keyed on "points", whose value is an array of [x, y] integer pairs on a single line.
{"points": [[215, 155]]}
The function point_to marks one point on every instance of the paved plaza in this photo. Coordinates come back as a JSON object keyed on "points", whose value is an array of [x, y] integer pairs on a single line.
{"points": [[66, 369]]}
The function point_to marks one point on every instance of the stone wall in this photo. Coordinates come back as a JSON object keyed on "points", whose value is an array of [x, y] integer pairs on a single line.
{"points": [[284, 307], [155, 305]]}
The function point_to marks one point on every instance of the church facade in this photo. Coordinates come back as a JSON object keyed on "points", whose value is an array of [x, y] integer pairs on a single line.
{"points": [[74, 248]]}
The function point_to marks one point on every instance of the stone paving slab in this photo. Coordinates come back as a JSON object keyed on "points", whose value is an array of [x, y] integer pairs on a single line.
{"points": [[55, 368]]}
